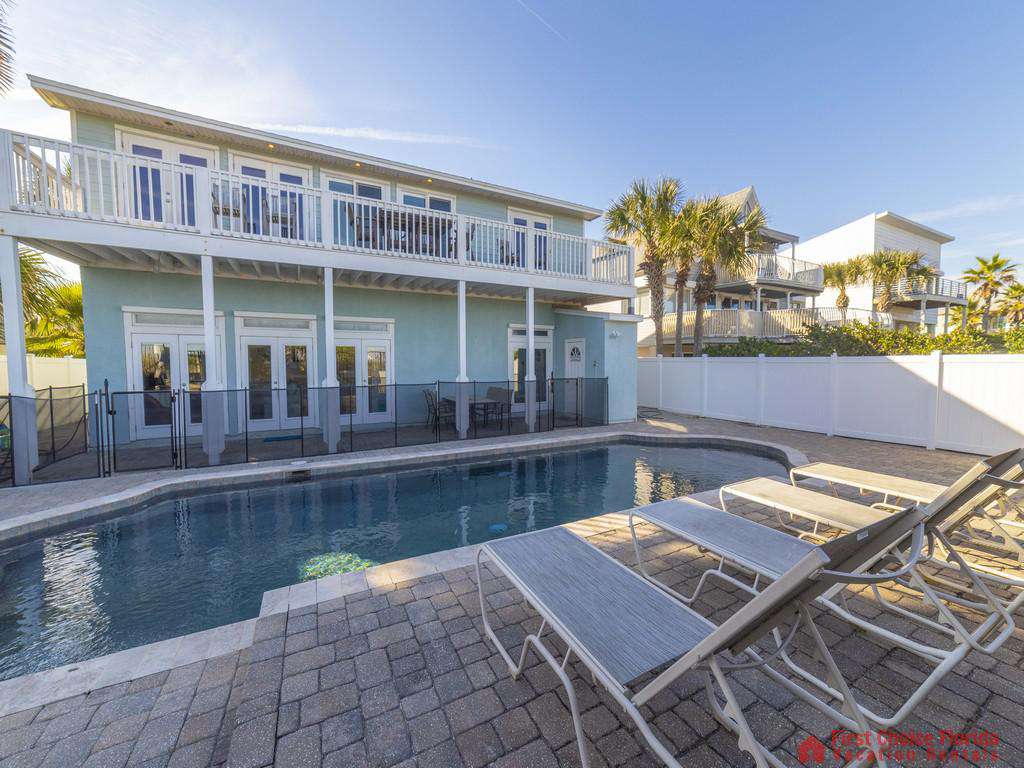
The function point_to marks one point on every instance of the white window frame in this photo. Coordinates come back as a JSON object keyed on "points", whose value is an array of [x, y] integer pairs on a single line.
{"points": [[531, 218], [210, 151], [272, 165], [328, 176], [427, 193]]}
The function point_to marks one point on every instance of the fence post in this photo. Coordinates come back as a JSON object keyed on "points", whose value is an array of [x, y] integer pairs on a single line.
{"points": [[760, 388], [937, 373], [704, 385], [661, 365], [204, 200], [833, 393]]}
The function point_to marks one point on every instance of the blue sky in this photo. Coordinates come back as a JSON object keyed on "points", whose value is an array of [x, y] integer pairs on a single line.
{"points": [[831, 110]]}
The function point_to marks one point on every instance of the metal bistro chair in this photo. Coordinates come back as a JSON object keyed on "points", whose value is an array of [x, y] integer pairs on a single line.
{"points": [[438, 413]]}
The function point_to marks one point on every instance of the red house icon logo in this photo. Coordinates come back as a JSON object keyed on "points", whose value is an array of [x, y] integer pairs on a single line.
{"points": [[811, 751]]}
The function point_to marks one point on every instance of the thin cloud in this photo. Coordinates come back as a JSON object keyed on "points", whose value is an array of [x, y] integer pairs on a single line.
{"points": [[977, 207], [375, 134], [542, 20]]}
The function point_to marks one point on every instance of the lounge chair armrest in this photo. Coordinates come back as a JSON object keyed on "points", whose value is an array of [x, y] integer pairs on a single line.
{"points": [[916, 546], [1002, 482]]}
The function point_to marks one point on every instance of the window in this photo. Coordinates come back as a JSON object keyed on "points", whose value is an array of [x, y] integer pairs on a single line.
{"points": [[344, 187], [370, 191], [420, 198]]}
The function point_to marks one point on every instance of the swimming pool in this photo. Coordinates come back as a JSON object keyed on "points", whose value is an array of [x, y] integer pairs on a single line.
{"points": [[183, 565]]}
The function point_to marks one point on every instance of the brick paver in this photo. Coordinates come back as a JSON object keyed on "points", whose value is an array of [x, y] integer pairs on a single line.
{"points": [[402, 676]]}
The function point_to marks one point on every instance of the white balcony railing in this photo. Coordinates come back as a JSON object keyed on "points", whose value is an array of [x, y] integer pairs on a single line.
{"points": [[920, 287], [58, 178], [768, 324], [775, 268]]}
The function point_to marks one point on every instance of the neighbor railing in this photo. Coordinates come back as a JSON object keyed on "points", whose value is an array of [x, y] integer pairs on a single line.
{"points": [[59, 178], [94, 434], [775, 268], [768, 324], [928, 286]]}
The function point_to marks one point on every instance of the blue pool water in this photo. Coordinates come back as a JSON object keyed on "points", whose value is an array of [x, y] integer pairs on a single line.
{"points": [[188, 564]]}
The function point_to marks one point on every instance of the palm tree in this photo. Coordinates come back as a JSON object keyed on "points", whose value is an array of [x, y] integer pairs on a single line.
{"points": [[1012, 305], [61, 332], [843, 275], [6, 50], [992, 276], [725, 238], [886, 268], [643, 216], [39, 280], [684, 250]]}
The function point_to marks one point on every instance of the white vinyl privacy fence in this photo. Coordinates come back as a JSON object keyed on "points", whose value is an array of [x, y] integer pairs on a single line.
{"points": [[972, 403], [46, 372]]}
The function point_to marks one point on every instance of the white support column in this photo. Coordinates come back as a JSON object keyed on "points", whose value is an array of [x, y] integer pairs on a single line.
{"points": [[963, 317], [531, 373], [757, 305], [462, 385], [945, 319], [789, 299], [24, 436], [924, 309], [330, 395], [214, 403]]}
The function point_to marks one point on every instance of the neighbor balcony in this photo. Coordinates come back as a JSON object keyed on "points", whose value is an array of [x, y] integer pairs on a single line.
{"points": [[69, 182], [728, 325], [928, 292], [778, 272]]}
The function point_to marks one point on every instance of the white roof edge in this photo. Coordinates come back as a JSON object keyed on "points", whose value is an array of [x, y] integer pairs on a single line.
{"points": [[43, 86], [617, 317], [888, 217]]}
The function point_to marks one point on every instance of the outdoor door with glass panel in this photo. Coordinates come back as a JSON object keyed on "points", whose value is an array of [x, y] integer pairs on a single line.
{"points": [[156, 190], [541, 226], [154, 358], [518, 369], [363, 370], [273, 212], [192, 368], [277, 374]]}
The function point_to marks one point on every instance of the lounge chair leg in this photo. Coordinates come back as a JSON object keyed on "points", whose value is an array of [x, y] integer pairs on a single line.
{"points": [[731, 716]]}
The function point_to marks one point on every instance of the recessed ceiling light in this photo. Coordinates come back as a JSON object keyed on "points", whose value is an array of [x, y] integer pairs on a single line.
{"points": [[359, 165], [430, 181], [270, 146], [168, 122]]}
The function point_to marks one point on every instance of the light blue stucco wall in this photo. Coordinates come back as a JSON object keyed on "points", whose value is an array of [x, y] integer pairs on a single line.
{"points": [[611, 353], [99, 132], [426, 330]]}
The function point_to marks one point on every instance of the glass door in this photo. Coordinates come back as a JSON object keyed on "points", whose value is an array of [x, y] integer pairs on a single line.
{"points": [[258, 376], [363, 367], [155, 358], [294, 374], [192, 367], [517, 351]]}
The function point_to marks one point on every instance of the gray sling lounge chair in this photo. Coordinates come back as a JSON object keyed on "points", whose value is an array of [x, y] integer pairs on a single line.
{"points": [[623, 628]]}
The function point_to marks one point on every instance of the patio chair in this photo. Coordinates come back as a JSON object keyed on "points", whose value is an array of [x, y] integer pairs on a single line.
{"points": [[438, 413], [1005, 518], [503, 397], [624, 629], [766, 554]]}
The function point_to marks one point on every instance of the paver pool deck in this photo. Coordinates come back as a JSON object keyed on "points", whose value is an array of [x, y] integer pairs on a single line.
{"points": [[394, 670]]}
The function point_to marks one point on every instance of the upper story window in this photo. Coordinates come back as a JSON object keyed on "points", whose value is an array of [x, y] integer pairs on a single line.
{"points": [[419, 198], [357, 187], [260, 168]]}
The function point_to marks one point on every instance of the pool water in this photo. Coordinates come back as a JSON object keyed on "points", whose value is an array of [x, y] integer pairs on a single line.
{"points": [[183, 565]]}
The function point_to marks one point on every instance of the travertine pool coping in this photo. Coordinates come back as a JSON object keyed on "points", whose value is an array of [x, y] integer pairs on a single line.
{"points": [[81, 512], [50, 685]]}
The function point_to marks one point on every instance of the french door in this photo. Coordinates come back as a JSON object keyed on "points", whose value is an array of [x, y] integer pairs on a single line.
{"points": [[363, 367], [541, 367], [163, 363], [278, 373], [158, 193]]}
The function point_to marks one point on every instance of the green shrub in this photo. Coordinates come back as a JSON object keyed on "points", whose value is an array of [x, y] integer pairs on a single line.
{"points": [[860, 340], [1013, 340]]}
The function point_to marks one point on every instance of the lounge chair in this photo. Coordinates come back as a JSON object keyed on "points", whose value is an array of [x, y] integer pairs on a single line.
{"points": [[767, 553], [623, 628], [1005, 518]]}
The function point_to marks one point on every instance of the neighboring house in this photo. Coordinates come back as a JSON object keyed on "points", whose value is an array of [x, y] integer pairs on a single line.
{"points": [[925, 302], [215, 256], [745, 304]]}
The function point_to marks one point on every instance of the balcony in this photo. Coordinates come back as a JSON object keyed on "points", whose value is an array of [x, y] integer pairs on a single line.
{"points": [[66, 181], [933, 291], [771, 269], [726, 325]]}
